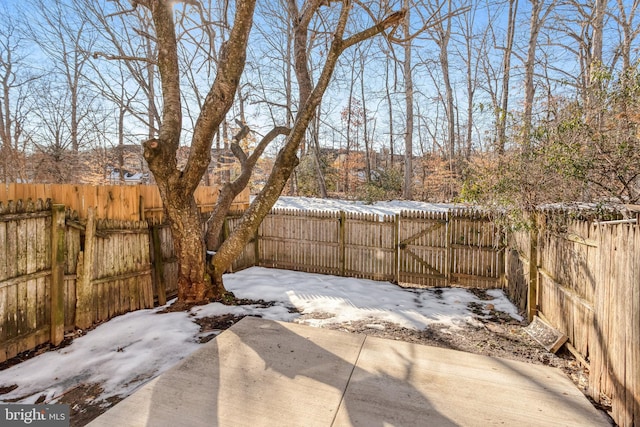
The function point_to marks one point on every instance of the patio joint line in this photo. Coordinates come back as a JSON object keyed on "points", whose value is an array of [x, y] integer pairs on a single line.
{"points": [[349, 380]]}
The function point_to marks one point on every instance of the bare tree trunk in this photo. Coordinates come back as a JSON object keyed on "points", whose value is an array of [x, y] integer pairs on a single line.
{"points": [[442, 38], [501, 121], [349, 119], [629, 31], [367, 162], [537, 21], [595, 61], [177, 186], [388, 94], [408, 97], [315, 135]]}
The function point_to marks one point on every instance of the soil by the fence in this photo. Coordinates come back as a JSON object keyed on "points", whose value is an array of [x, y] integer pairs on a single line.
{"points": [[499, 335]]}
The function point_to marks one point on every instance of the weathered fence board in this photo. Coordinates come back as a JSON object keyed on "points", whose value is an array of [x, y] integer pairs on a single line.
{"points": [[476, 250], [302, 241], [424, 256], [614, 351], [122, 278], [413, 248], [370, 244], [25, 270]]}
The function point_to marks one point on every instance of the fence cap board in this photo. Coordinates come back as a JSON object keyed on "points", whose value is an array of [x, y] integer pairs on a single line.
{"points": [[21, 206]]}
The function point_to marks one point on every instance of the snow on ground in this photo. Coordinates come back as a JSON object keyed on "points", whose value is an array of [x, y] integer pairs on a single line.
{"points": [[381, 208], [129, 350]]}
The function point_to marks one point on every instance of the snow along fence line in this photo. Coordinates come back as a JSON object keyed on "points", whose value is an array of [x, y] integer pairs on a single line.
{"points": [[458, 247], [59, 271]]}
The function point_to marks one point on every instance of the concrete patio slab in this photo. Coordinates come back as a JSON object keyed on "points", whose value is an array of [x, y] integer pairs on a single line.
{"points": [[266, 373], [403, 384]]}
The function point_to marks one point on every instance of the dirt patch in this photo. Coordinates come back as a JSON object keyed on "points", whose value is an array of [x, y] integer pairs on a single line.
{"points": [[85, 404], [210, 327]]}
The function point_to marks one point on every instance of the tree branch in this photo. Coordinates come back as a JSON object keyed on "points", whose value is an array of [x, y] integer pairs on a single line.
{"points": [[171, 127], [392, 20], [230, 190], [109, 57]]}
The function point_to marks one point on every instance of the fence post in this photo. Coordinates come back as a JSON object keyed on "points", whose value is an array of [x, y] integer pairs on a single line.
{"points": [[158, 266], [396, 245], [57, 274], [341, 242], [141, 207], [449, 246], [532, 298], [84, 289]]}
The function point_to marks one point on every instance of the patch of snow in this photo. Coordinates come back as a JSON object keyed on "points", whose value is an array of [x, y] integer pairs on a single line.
{"points": [[380, 208], [125, 352], [122, 354], [502, 303]]}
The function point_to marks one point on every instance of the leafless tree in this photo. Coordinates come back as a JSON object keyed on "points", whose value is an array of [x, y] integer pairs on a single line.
{"points": [[16, 79], [64, 39], [408, 98], [126, 43], [625, 18], [177, 185], [540, 10], [501, 112]]}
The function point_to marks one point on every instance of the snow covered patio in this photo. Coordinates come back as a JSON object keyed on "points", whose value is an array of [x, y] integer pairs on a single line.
{"points": [[267, 373]]}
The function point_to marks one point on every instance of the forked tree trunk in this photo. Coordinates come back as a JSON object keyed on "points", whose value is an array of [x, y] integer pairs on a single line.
{"points": [[177, 186]]}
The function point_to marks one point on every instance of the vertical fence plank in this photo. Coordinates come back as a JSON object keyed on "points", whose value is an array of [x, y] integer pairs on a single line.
{"points": [[84, 287], [341, 242], [57, 274]]}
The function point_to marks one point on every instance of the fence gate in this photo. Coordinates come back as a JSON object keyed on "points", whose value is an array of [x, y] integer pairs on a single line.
{"points": [[423, 255], [455, 248]]}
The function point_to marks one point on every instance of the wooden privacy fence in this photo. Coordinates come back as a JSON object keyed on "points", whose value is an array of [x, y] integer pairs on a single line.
{"points": [[54, 279], [59, 270], [121, 202], [458, 247], [583, 277]]}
